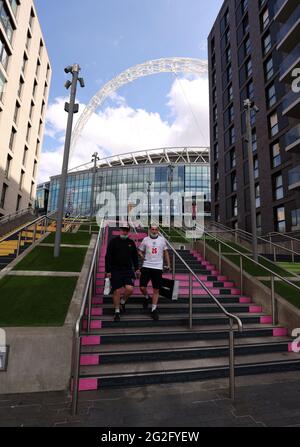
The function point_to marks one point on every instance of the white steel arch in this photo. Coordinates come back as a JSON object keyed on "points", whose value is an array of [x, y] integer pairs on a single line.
{"points": [[167, 65]]}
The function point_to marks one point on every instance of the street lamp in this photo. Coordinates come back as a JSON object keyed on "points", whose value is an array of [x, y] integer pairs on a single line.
{"points": [[95, 159], [71, 108], [250, 107], [171, 170], [149, 205]]}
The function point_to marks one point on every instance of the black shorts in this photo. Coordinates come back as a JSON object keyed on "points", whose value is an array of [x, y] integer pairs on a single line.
{"points": [[120, 278], [153, 275]]}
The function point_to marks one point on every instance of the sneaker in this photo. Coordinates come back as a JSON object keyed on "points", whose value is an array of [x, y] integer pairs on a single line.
{"points": [[117, 317], [146, 302], [123, 308], [155, 315]]}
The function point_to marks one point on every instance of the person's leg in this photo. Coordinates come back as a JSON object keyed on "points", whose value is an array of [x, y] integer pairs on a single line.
{"points": [[116, 301], [156, 278], [144, 280]]}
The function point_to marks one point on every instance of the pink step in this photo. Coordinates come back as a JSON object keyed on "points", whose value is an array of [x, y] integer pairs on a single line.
{"points": [[266, 319], [95, 324], [95, 312], [97, 301], [255, 309], [89, 360], [88, 384], [245, 300], [91, 340], [280, 332]]}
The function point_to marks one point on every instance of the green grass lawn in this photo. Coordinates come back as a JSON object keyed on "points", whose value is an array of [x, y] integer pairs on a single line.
{"points": [[290, 266], [35, 301], [70, 238], [288, 292], [85, 227], [41, 259]]}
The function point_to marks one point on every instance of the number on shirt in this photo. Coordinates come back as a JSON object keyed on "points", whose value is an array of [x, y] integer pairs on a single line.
{"points": [[154, 251]]}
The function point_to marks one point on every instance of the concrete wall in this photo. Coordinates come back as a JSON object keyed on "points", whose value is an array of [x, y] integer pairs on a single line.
{"points": [[288, 315], [40, 359]]}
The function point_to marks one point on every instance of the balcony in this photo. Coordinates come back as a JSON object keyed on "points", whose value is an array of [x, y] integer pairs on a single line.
{"points": [[290, 62], [291, 140], [283, 9], [294, 178], [291, 105], [288, 35]]}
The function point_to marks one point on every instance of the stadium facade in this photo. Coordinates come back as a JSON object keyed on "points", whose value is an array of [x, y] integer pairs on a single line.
{"points": [[171, 170]]}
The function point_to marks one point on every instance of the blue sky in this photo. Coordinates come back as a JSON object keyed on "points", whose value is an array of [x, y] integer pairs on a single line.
{"points": [[108, 36]]}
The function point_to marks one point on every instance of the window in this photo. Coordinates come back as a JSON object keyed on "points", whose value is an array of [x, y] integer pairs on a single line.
{"points": [[28, 40], [25, 59], [216, 132], [216, 151], [295, 220], [31, 18], [31, 190], [254, 141], [229, 73], [232, 136], [21, 179], [37, 149], [248, 68], [25, 153], [232, 159], [2, 86], [250, 90], [8, 166], [14, 6], [267, 43], [12, 139], [244, 5], [217, 174], [231, 114], [275, 155], [265, 19], [16, 114], [245, 25], [21, 85], [247, 47], [271, 95], [28, 132], [274, 126], [31, 110], [280, 219], [3, 195], [41, 48], [19, 198], [230, 93], [256, 167], [234, 207], [258, 224], [38, 66], [269, 68], [227, 36], [233, 182], [6, 20], [257, 196], [215, 113], [278, 187], [34, 169], [35, 84], [228, 55], [4, 54]]}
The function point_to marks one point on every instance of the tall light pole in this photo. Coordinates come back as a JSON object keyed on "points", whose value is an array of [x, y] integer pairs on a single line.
{"points": [[249, 106], [70, 108], [171, 169], [149, 204], [95, 159]]}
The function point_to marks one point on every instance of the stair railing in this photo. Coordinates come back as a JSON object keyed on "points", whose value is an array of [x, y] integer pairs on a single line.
{"points": [[86, 305], [232, 318], [247, 256]]}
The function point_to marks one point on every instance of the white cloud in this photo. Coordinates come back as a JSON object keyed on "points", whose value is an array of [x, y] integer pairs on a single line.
{"points": [[120, 128]]}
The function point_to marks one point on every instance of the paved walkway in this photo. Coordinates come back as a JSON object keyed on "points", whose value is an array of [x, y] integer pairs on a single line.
{"points": [[262, 401]]}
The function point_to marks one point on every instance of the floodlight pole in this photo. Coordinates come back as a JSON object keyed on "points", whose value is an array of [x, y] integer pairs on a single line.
{"points": [[70, 108], [95, 159], [149, 205]]}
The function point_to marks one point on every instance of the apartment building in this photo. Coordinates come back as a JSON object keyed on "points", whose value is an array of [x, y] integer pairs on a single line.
{"points": [[25, 76], [245, 61]]}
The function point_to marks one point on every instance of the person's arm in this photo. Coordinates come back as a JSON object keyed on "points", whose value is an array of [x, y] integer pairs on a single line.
{"points": [[135, 258], [141, 251], [167, 258]]}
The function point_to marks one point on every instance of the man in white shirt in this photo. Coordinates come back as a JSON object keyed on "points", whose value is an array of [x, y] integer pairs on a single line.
{"points": [[152, 250]]}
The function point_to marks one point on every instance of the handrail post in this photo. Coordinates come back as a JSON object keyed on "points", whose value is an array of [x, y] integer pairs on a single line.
{"points": [[242, 274], [293, 253], [34, 233], [220, 258], [274, 316], [173, 266], [204, 242], [89, 305], [275, 255], [19, 243], [76, 367], [191, 301], [231, 361]]}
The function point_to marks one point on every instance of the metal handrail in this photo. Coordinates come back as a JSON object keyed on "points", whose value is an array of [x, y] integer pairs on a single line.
{"points": [[246, 234], [20, 213], [243, 255], [275, 233], [232, 318], [70, 224], [86, 303]]}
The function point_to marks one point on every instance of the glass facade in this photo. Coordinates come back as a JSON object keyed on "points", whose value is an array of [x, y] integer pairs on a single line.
{"points": [[174, 178]]}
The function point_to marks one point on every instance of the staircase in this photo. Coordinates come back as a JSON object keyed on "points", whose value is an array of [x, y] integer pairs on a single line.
{"points": [[9, 244], [138, 351]]}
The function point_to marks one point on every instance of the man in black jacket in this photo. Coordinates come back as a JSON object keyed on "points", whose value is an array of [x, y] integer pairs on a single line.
{"points": [[121, 266]]}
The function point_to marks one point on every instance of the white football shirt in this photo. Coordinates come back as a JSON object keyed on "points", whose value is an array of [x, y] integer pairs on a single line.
{"points": [[153, 250]]}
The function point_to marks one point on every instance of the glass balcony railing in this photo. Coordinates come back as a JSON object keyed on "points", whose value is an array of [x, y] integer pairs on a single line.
{"points": [[292, 98], [292, 137], [290, 61], [291, 21], [294, 178], [278, 5]]}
